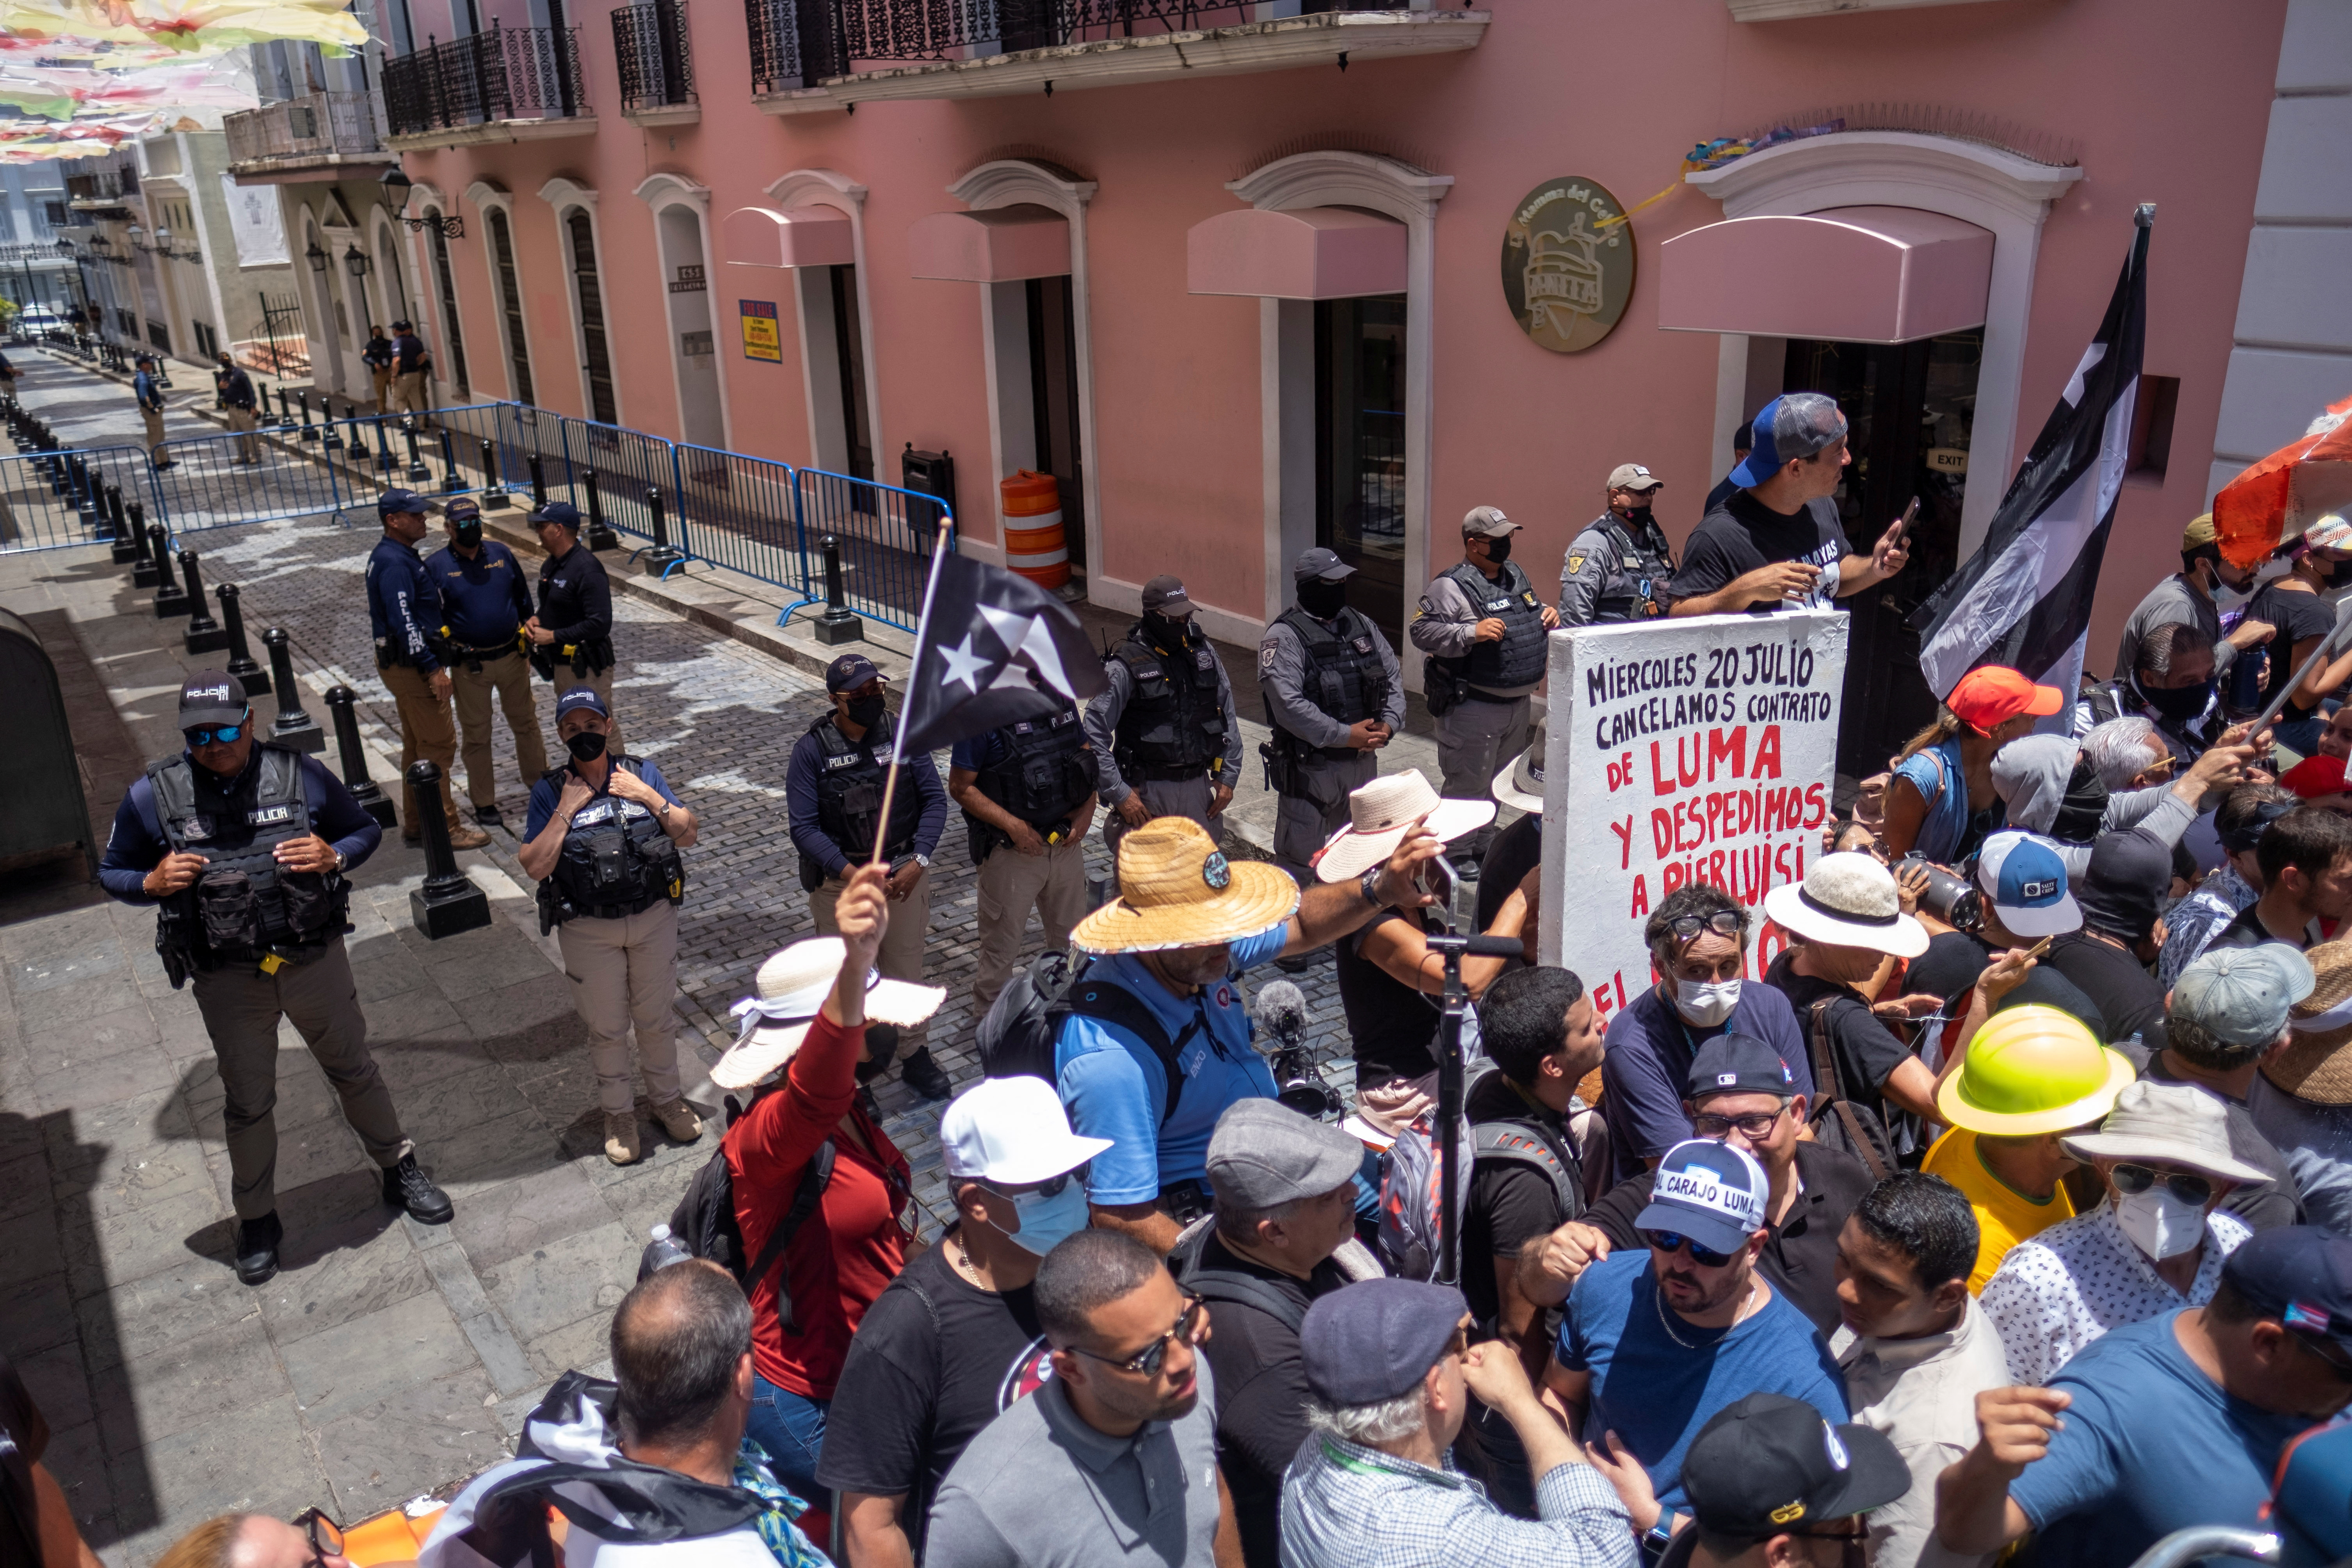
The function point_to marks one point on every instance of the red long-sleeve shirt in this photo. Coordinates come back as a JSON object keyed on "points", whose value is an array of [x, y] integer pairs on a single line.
{"points": [[846, 1250]]}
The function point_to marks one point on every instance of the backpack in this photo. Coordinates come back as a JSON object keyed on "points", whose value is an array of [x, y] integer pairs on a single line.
{"points": [[1837, 1121], [1231, 1284], [2307, 1499], [1017, 1038], [1410, 1202], [704, 1221]]}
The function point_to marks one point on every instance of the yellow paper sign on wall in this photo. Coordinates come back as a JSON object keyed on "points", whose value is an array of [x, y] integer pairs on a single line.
{"points": [[762, 339]]}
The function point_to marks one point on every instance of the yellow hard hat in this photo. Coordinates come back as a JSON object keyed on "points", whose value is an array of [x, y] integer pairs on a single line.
{"points": [[2033, 1069]]}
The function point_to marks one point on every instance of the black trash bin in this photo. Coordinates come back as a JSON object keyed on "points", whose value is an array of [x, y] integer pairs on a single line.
{"points": [[39, 778]]}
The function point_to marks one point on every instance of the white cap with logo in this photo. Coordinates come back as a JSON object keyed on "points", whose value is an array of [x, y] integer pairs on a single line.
{"points": [[1012, 1132]]}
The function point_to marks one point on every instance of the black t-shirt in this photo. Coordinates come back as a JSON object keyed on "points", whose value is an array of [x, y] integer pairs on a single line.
{"points": [[1744, 534], [935, 1359], [1261, 1395], [1509, 857], [1393, 1025], [24, 1438], [1954, 959], [1510, 1204], [2126, 994], [2296, 616], [1867, 1053], [1799, 1258], [2248, 931]]}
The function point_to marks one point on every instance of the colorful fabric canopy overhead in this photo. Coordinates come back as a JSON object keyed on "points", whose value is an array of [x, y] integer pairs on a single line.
{"points": [[184, 27]]}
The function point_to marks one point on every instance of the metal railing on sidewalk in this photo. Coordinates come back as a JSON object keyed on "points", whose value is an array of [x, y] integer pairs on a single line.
{"points": [[55, 499], [209, 486]]}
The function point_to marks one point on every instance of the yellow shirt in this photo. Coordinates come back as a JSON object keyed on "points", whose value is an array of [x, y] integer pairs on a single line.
{"points": [[2005, 1216]]}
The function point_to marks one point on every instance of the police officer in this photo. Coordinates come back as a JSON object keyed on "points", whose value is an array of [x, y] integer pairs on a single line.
{"points": [[148, 388], [379, 355], [1617, 568], [404, 606], [603, 838], [486, 602], [572, 632], [243, 849], [234, 390], [832, 792], [1483, 629], [410, 362], [1334, 695], [1165, 731], [1028, 792]]}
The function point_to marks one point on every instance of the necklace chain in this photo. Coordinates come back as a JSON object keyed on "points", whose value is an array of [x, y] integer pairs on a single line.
{"points": [[1658, 1300]]}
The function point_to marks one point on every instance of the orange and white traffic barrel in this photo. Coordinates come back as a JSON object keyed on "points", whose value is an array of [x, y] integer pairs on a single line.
{"points": [[1034, 545]]}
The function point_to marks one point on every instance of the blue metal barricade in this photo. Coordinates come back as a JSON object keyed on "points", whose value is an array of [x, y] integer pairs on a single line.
{"points": [[210, 485], [888, 538], [739, 512], [52, 500]]}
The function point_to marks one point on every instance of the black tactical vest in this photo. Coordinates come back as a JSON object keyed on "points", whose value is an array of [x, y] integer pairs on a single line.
{"points": [[1173, 726], [1518, 658], [1045, 773], [849, 779], [1638, 571], [616, 859], [1345, 675], [245, 908]]}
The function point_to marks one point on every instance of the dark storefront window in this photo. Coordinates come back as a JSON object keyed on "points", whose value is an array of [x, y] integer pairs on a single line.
{"points": [[1054, 391], [850, 357], [601, 403], [1359, 449], [510, 303], [448, 289]]}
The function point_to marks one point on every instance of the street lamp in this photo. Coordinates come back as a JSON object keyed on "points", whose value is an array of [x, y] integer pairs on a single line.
{"points": [[355, 262], [396, 185], [317, 258]]}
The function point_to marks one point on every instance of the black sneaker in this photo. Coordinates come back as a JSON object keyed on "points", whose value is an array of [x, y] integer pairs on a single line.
{"points": [[256, 1248], [406, 1187], [487, 815], [924, 1076]]}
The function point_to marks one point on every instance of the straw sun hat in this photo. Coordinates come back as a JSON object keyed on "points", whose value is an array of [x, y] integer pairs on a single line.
{"points": [[792, 986], [1177, 889], [1383, 811], [2316, 1067]]}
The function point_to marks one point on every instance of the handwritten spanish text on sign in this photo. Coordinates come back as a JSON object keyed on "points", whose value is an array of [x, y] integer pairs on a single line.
{"points": [[1701, 749]]}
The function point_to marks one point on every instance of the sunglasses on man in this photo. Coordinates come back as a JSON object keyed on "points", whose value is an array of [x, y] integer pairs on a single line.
{"points": [[2133, 1180], [1051, 1187], [1147, 1362], [1671, 1241], [223, 734]]}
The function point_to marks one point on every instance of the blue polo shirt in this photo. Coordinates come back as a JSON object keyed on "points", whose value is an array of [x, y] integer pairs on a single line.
{"points": [[1113, 1086], [1646, 1071], [483, 601]]}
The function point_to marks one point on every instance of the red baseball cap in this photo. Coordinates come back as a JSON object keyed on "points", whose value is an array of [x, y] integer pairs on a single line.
{"points": [[1993, 694], [2314, 777]]}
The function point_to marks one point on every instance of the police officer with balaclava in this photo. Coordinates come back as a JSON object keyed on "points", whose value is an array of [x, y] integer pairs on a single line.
{"points": [[243, 848], [1334, 695], [571, 636], [486, 599], [1165, 729], [1617, 568], [832, 792], [404, 610], [1483, 629], [603, 838], [1027, 791]]}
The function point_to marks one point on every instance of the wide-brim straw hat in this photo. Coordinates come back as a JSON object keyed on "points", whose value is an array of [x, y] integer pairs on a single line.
{"points": [[1848, 899], [2033, 1069], [1176, 889], [2170, 1124], [792, 988], [1521, 784], [1382, 812], [2316, 1065]]}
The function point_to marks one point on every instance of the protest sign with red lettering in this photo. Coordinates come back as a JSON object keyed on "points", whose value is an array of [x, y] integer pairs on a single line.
{"points": [[1698, 750]]}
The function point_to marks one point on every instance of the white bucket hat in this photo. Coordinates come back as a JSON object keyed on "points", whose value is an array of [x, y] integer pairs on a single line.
{"points": [[792, 986], [1521, 784], [1848, 899], [2171, 1123], [1383, 811]]}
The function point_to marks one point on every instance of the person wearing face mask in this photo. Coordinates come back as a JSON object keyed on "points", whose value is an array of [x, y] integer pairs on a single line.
{"points": [[1335, 696], [1483, 629], [1697, 938], [571, 636], [1164, 730], [1940, 802], [2171, 686], [2154, 1245], [2198, 593], [485, 601], [405, 613], [2318, 562], [1617, 568], [955, 1340], [2048, 786], [603, 838]]}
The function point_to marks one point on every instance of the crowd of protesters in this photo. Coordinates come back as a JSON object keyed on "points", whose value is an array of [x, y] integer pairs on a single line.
{"points": [[2010, 1200]]}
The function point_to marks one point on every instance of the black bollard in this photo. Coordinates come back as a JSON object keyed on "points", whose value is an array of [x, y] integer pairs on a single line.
{"points": [[364, 790], [334, 437], [448, 902], [171, 599], [599, 532], [147, 572], [417, 472], [538, 482], [838, 623], [126, 548], [494, 493], [385, 460], [453, 479], [660, 556], [292, 727], [357, 446], [85, 496], [254, 678], [309, 431], [205, 635]]}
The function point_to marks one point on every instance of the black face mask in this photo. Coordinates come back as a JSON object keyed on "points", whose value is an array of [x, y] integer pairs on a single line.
{"points": [[587, 745], [1498, 549], [1323, 600], [469, 533], [2084, 804], [2340, 574], [2178, 703], [865, 711], [1161, 632]]}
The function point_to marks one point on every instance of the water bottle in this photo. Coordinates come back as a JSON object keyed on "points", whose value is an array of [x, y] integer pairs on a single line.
{"points": [[660, 1252]]}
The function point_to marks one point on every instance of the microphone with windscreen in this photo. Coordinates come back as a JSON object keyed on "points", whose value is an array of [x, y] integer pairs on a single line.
{"points": [[1279, 1012]]}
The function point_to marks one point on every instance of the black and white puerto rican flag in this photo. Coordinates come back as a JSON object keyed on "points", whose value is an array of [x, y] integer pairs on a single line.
{"points": [[984, 631], [2024, 599]]}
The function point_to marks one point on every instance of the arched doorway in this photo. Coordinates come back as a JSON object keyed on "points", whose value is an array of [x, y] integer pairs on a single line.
{"points": [[588, 292], [510, 290], [392, 284], [702, 418]]}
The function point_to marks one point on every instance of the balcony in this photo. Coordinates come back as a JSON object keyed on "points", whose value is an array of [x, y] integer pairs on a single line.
{"points": [[655, 58], [102, 191], [315, 136], [508, 84], [829, 54]]}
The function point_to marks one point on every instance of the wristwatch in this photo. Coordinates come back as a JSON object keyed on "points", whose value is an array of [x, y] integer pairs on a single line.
{"points": [[341, 865], [1368, 885], [923, 860], [661, 809]]}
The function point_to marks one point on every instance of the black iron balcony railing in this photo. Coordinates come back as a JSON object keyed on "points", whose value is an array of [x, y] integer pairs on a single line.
{"points": [[506, 73], [651, 46], [318, 125], [792, 43], [954, 29]]}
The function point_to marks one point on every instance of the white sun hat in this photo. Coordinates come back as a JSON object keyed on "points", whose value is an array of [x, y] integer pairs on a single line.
{"points": [[792, 986], [1521, 784], [1848, 899], [1383, 811]]}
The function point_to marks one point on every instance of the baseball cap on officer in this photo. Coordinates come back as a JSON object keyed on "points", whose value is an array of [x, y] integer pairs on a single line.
{"points": [[401, 326], [1769, 1463], [399, 500], [1165, 595], [1633, 477], [208, 698], [849, 672], [1709, 1192], [561, 512], [1486, 522], [1793, 424], [461, 510], [581, 697], [1323, 563], [1737, 1064]]}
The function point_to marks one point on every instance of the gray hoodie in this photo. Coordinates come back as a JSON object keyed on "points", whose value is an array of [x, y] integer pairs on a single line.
{"points": [[2030, 773]]}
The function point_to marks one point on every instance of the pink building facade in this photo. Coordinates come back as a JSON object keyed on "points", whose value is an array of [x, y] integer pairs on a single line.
{"points": [[1246, 288]]}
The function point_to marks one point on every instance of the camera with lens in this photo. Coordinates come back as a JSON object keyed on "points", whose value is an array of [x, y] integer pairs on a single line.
{"points": [[1280, 1012], [1952, 899]]}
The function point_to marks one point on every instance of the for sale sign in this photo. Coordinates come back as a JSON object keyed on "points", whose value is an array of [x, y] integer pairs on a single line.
{"points": [[1699, 749]]}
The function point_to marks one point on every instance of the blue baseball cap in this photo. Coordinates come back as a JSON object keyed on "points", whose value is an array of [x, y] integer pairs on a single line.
{"points": [[1793, 424], [1737, 1064], [2025, 877], [394, 500], [558, 511], [849, 672], [581, 697], [1709, 1192], [458, 510]]}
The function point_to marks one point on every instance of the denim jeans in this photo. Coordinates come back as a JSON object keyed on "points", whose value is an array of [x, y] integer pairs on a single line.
{"points": [[791, 1428]]}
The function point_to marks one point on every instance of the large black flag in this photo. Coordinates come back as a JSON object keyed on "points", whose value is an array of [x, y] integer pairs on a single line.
{"points": [[984, 631], [2024, 599]]}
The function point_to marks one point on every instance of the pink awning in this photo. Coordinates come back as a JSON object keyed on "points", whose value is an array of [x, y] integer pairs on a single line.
{"points": [[1866, 275], [804, 237], [999, 245], [1314, 253]]}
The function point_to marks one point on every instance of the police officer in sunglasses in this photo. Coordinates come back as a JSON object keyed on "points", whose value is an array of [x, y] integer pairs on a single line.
{"points": [[242, 849]]}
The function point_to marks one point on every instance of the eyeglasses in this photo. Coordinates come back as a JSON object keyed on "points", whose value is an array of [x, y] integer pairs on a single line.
{"points": [[1671, 1241], [326, 1537], [1851, 1543], [1755, 1124], [1150, 1358], [225, 734], [2133, 1180], [1723, 923]]}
